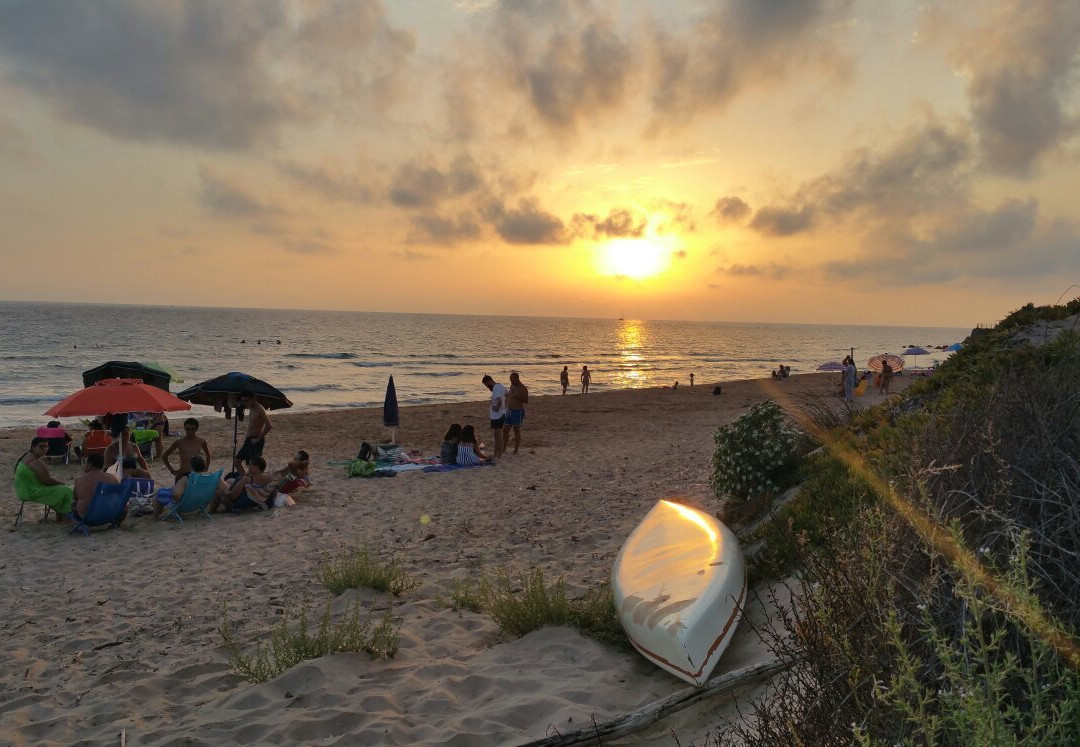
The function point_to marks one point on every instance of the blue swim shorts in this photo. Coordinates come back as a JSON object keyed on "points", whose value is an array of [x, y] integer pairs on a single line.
{"points": [[515, 417]]}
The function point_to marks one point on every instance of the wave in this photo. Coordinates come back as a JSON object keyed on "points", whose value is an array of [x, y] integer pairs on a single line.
{"points": [[372, 364], [318, 388], [439, 373], [331, 356], [548, 355], [27, 400]]}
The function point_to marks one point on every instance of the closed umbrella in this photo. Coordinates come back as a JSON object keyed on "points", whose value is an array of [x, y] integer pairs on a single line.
{"points": [[916, 352], [390, 408], [223, 391]]}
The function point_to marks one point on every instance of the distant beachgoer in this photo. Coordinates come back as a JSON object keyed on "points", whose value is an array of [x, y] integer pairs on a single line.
{"points": [[256, 489], [849, 380], [188, 445], [886, 376], [258, 426], [497, 413], [448, 450], [160, 423], [674, 386], [586, 379], [564, 379], [34, 483], [86, 483], [469, 452], [776, 374], [691, 381], [516, 399]]}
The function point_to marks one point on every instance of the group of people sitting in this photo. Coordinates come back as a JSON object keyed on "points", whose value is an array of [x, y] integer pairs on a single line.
{"points": [[461, 447], [256, 487], [782, 372]]}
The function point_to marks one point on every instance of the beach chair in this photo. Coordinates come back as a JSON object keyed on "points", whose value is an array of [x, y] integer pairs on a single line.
{"points": [[59, 446], [200, 490], [860, 390], [95, 442], [44, 516], [107, 507]]}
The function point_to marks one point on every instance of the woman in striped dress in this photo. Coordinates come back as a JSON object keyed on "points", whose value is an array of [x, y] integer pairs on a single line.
{"points": [[468, 450]]}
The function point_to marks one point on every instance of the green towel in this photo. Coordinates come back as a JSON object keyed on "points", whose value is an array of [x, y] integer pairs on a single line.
{"points": [[28, 487]]}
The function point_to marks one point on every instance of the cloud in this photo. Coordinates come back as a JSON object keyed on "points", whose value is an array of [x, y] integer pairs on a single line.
{"points": [[527, 224], [1021, 59], [228, 200], [432, 226], [328, 182], [731, 210], [771, 270], [219, 75], [421, 184], [740, 43], [778, 221], [619, 223], [411, 255]]}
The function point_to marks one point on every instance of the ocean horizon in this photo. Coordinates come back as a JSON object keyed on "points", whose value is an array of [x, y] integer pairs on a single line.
{"points": [[334, 359]]}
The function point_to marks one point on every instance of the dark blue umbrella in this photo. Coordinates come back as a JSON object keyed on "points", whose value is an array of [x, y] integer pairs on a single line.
{"points": [[223, 392], [390, 408]]}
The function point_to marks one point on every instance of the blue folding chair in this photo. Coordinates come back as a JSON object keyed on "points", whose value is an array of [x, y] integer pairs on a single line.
{"points": [[107, 507], [200, 490]]}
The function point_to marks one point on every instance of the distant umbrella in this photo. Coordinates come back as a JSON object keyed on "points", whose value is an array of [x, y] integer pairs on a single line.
{"points": [[127, 370], [954, 347], [916, 352], [390, 408], [173, 375], [831, 366], [896, 363]]}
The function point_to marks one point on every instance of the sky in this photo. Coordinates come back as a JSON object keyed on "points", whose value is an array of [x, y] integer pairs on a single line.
{"points": [[828, 161]]}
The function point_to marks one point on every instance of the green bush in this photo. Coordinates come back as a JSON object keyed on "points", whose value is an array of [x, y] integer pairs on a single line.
{"points": [[291, 644], [360, 568], [756, 454]]}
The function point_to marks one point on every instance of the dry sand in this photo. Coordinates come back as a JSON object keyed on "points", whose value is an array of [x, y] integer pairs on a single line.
{"points": [[120, 632]]}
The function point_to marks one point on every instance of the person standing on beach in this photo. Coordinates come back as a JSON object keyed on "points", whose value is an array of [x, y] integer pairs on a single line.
{"points": [[516, 399], [188, 446], [586, 378], [691, 381], [886, 377], [849, 379], [497, 413], [564, 379], [258, 426]]}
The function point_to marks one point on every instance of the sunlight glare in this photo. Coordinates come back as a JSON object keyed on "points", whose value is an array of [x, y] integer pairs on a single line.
{"points": [[635, 258]]}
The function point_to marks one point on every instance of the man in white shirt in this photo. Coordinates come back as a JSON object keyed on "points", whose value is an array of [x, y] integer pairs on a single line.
{"points": [[498, 412]]}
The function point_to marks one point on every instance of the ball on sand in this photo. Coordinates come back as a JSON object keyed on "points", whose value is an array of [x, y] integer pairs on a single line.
{"points": [[425, 519]]}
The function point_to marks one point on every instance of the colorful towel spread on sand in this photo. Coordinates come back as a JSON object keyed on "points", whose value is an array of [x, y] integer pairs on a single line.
{"points": [[453, 467]]}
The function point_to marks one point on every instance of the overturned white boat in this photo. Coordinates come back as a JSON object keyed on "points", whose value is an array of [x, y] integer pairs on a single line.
{"points": [[680, 585]]}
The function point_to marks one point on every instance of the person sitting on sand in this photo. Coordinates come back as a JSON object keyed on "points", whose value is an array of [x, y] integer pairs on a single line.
{"points": [[468, 450], [448, 450], [256, 489], [188, 446], [34, 483], [294, 475], [86, 484], [199, 467], [776, 374]]}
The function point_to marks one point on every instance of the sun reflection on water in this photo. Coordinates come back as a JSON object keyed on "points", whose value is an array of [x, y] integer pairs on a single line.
{"points": [[632, 340]]}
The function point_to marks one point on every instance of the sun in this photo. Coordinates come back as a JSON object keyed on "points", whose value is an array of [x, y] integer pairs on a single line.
{"points": [[635, 258]]}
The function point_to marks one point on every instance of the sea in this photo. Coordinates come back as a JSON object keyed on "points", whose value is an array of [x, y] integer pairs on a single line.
{"points": [[324, 360]]}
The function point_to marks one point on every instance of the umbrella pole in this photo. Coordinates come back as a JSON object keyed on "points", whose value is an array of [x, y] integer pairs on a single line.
{"points": [[235, 431]]}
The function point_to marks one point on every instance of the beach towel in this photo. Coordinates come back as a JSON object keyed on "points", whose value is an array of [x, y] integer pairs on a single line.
{"points": [[452, 467], [28, 487]]}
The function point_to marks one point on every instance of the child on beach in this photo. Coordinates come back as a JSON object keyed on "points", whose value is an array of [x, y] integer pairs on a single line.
{"points": [[448, 450], [468, 451], [295, 475]]}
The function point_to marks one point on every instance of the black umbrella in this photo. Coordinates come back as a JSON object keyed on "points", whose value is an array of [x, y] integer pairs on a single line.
{"points": [[127, 370], [390, 408], [223, 391]]}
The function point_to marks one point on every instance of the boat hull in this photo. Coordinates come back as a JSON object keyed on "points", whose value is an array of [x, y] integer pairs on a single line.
{"points": [[680, 585]]}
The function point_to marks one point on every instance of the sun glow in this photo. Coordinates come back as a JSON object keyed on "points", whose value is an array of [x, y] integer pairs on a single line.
{"points": [[635, 258]]}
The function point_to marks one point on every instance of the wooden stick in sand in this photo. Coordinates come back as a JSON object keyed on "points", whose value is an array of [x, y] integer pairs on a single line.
{"points": [[639, 719]]}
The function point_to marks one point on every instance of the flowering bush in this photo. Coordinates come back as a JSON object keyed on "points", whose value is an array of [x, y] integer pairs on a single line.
{"points": [[757, 453]]}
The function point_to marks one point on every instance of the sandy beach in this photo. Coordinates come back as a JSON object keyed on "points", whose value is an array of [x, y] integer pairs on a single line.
{"points": [[120, 632]]}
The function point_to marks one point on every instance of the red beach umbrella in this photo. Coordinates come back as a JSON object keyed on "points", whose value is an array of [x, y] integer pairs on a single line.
{"points": [[115, 396], [895, 362]]}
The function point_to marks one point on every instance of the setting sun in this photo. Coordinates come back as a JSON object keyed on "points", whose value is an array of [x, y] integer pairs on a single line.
{"points": [[635, 258]]}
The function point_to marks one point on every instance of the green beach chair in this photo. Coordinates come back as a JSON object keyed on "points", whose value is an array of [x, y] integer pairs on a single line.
{"points": [[200, 490]]}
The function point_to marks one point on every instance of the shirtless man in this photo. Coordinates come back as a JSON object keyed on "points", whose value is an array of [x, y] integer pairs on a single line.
{"points": [[86, 483], [131, 451], [586, 379], [252, 490], [187, 446], [258, 426], [516, 398], [564, 379]]}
